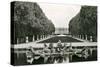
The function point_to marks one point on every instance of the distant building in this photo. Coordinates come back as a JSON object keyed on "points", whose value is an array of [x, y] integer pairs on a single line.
{"points": [[61, 31]]}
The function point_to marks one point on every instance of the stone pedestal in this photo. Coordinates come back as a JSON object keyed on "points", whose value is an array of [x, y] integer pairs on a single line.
{"points": [[27, 39], [33, 38], [40, 36], [17, 40], [85, 37], [91, 38], [79, 36]]}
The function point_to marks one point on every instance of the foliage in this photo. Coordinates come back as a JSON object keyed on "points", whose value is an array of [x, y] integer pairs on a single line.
{"points": [[85, 22], [29, 19]]}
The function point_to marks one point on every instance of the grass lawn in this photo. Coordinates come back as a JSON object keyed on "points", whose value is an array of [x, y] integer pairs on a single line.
{"points": [[62, 38]]}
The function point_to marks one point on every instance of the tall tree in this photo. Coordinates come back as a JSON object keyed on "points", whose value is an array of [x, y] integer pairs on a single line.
{"points": [[30, 20], [85, 22]]}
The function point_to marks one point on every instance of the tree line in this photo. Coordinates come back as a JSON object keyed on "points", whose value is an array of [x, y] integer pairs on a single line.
{"points": [[85, 23], [29, 20]]}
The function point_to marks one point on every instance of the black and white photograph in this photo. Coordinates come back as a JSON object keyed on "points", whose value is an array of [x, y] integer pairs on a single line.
{"points": [[50, 33]]}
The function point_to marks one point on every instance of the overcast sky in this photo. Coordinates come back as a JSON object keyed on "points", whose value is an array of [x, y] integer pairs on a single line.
{"points": [[60, 14]]}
